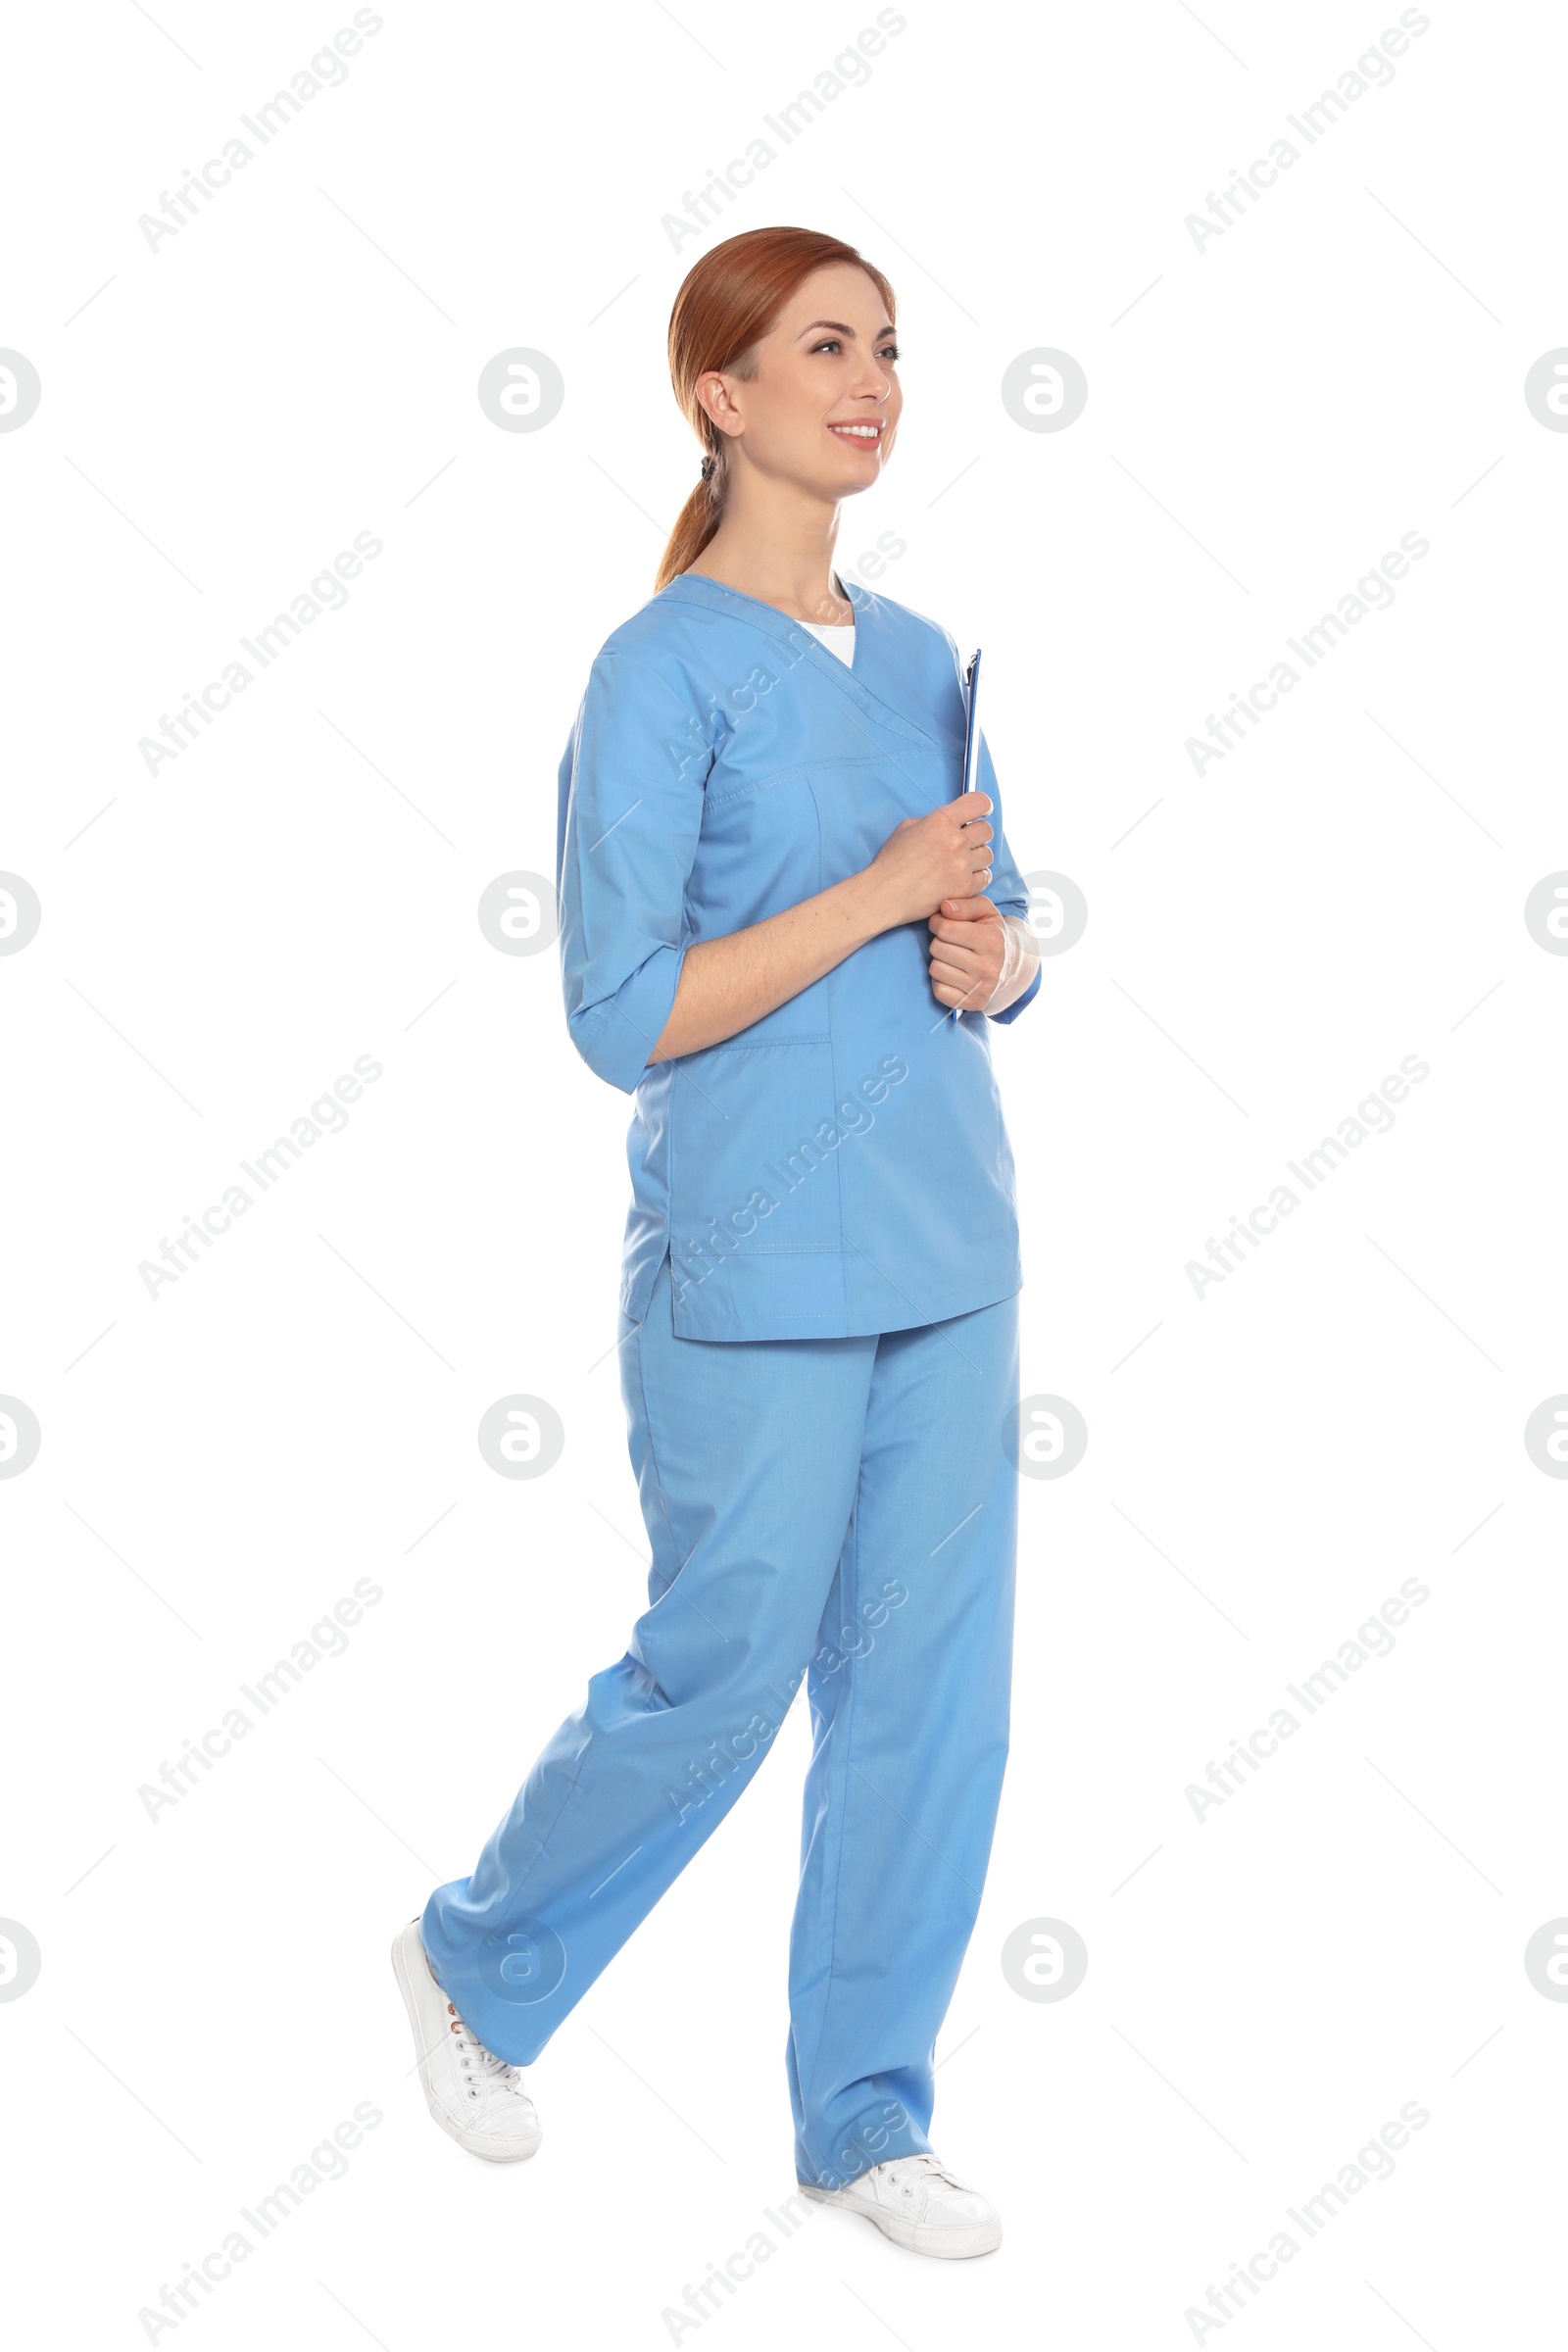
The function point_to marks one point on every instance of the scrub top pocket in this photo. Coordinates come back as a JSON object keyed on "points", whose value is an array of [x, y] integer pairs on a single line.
{"points": [[755, 1214]]}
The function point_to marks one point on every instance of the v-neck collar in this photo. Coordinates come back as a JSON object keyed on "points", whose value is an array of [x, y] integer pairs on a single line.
{"points": [[852, 678]]}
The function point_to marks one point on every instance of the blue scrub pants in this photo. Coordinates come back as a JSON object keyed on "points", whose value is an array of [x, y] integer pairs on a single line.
{"points": [[842, 1512]]}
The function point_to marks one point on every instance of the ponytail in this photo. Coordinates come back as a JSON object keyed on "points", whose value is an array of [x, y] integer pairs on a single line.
{"points": [[698, 520], [727, 302]]}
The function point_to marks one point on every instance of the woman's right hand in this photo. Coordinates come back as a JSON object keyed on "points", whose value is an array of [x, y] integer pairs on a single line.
{"points": [[928, 858]]}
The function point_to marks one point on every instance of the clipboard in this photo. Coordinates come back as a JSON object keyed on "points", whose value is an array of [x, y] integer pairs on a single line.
{"points": [[971, 748]]}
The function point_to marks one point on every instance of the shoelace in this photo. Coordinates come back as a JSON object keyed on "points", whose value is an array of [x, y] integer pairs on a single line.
{"points": [[928, 2167], [497, 2069]]}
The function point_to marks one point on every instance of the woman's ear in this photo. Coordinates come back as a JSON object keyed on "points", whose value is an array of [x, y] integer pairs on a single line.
{"points": [[715, 396]]}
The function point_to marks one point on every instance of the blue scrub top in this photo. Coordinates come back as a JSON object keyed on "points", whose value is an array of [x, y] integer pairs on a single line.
{"points": [[841, 1166]]}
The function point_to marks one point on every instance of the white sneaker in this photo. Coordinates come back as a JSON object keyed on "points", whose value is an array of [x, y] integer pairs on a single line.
{"points": [[474, 2095], [917, 2202]]}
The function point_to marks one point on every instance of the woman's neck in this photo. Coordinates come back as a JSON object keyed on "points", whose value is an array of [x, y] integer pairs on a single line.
{"points": [[775, 549]]}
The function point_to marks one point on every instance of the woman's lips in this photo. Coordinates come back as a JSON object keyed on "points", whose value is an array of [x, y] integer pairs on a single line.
{"points": [[863, 436]]}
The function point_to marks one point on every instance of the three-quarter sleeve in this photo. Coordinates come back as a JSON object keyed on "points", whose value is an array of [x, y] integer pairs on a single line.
{"points": [[1005, 890], [629, 817]]}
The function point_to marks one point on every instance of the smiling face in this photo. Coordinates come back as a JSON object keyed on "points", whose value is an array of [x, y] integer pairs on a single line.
{"points": [[821, 408]]}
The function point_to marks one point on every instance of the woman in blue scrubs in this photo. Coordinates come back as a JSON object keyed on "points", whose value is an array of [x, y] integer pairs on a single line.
{"points": [[773, 901]]}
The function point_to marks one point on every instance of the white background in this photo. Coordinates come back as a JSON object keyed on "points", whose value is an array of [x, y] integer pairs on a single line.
{"points": [[1265, 942]]}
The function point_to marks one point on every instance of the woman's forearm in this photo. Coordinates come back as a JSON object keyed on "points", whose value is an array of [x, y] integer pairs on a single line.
{"points": [[726, 984]]}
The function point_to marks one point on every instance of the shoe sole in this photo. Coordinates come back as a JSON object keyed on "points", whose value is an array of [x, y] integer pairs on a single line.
{"points": [[454, 2130], [983, 2237]]}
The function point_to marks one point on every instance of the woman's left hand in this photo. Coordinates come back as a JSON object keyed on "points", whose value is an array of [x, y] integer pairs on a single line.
{"points": [[968, 951]]}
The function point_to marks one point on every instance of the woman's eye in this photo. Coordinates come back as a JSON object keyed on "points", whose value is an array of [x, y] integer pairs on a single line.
{"points": [[890, 352]]}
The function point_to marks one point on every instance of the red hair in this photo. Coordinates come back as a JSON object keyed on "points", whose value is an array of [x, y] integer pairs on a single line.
{"points": [[727, 302]]}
